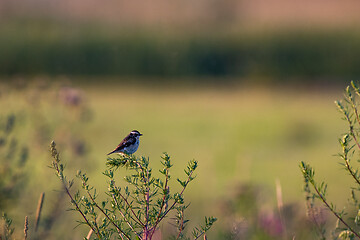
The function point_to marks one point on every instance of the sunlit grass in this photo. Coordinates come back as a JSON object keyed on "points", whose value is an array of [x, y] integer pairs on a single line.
{"points": [[254, 135]]}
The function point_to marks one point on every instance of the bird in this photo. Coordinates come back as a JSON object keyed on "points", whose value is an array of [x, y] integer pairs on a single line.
{"points": [[129, 144]]}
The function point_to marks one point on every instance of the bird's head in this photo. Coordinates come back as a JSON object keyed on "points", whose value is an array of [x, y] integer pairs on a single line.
{"points": [[135, 133]]}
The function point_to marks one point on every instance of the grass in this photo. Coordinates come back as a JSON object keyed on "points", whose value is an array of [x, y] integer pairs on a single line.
{"points": [[239, 134]]}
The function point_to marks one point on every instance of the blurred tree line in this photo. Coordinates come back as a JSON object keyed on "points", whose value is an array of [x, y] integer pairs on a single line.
{"points": [[58, 49]]}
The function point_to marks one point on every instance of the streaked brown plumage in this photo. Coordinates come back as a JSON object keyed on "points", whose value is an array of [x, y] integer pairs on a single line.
{"points": [[129, 144]]}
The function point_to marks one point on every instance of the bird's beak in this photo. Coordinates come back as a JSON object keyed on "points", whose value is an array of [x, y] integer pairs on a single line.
{"points": [[141, 134]]}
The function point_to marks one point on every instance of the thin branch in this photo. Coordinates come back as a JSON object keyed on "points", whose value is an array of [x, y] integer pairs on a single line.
{"points": [[351, 128], [107, 216], [127, 221], [352, 100], [181, 193], [79, 210], [129, 206], [56, 160], [95, 224], [200, 235], [147, 202], [353, 135], [181, 227], [120, 234], [332, 210], [203, 233], [348, 167], [162, 203], [77, 206], [356, 113]]}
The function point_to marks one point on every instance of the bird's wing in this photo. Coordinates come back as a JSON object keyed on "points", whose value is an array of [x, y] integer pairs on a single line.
{"points": [[127, 141]]}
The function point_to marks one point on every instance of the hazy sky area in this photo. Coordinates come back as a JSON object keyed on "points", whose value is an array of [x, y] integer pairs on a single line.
{"points": [[254, 13]]}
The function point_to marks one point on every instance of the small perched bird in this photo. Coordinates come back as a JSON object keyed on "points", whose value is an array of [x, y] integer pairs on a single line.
{"points": [[129, 144]]}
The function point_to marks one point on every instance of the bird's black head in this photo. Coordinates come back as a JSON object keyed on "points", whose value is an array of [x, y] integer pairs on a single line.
{"points": [[135, 133]]}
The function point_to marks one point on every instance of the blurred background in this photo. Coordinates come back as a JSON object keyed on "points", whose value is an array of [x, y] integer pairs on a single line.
{"points": [[244, 87]]}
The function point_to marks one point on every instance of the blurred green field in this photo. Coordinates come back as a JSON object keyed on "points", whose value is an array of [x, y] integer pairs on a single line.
{"points": [[239, 134]]}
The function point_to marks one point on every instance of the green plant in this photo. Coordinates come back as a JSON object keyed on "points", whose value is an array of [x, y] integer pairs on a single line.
{"points": [[8, 230], [13, 156], [135, 210], [27, 119], [346, 227]]}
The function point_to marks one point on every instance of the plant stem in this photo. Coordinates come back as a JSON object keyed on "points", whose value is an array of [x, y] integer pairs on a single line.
{"points": [[127, 221], [351, 128], [348, 167], [181, 227], [332, 210], [73, 201], [112, 222], [147, 202], [162, 203], [79, 210], [129, 206], [181, 193]]}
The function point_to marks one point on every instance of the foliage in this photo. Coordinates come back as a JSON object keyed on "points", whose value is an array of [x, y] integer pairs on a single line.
{"points": [[13, 157], [135, 210], [8, 229], [7, 232], [347, 227], [89, 50], [29, 114]]}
